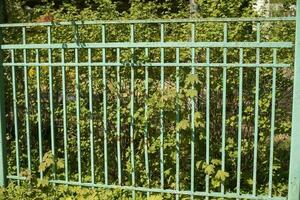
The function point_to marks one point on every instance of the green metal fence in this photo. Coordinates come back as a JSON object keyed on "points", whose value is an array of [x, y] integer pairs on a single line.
{"points": [[87, 89]]}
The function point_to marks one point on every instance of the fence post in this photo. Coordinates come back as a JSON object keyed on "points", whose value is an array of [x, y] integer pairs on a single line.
{"points": [[294, 175], [3, 159]]}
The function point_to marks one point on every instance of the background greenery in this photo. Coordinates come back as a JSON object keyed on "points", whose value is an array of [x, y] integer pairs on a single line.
{"points": [[24, 11]]}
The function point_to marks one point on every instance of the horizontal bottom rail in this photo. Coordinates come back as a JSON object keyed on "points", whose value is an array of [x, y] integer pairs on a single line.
{"points": [[157, 190], [99, 64], [151, 45]]}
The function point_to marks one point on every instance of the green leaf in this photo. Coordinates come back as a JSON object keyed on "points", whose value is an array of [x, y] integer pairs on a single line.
{"points": [[209, 169], [183, 125], [216, 162], [60, 163], [191, 79], [191, 93], [221, 175], [43, 182]]}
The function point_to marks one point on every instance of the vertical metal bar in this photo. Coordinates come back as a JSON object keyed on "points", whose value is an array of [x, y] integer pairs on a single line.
{"points": [[91, 121], [51, 100], [193, 118], [256, 117], [77, 91], [104, 108], [15, 105], [294, 176], [272, 123], [3, 158], [207, 127], [146, 122], [177, 122], [132, 85], [224, 104], [161, 110], [119, 119], [240, 119], [27, 120], [64, 89], [39, 117]]}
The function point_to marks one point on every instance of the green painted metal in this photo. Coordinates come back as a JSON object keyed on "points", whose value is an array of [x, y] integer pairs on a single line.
{"points": [[91, 124], [152, 45], [240, 120], [3, 157], [27, 122], [274, 75], [104, 107], [146, 134], [16, 124], [115, 178], [151, 21], [207, 113], [119, 120], [162, 56], [155, 64], [177, 121], [39, 117], [65, 125], [77, 91], [51, 106], [193, 72], [294, 175], [257, 73], [132, 85], [224, 102]]}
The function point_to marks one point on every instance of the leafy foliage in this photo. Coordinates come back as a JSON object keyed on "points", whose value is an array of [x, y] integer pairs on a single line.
{"points": [[192, 88]]}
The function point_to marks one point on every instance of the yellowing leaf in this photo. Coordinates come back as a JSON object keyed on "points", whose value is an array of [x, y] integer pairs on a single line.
{"points": [[222, 175], [216, 162], [209, 169], [155, 197], [42, 182], [42, 167], [60, 163], [191, 93], [192, 79], [31, 72], [182, 125], [199, 164], [250, 181], [215, 183]]}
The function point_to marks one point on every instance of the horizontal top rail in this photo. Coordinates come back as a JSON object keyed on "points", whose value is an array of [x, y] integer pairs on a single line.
{"points": [[151, 21], [152, 45]]}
